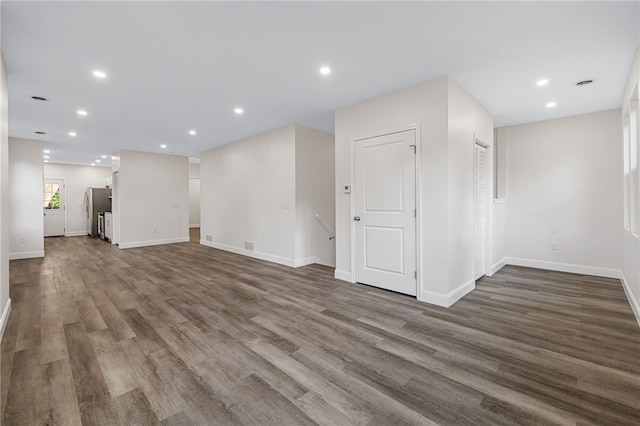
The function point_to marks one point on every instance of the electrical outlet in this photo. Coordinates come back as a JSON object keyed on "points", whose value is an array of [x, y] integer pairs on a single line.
{"points": [[554, 246], [153, 231], [249, 245], [23, 240], [264, 239], [208, 237]]}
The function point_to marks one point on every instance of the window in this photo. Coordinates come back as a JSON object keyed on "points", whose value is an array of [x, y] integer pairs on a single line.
{"points": [[51, 196]]}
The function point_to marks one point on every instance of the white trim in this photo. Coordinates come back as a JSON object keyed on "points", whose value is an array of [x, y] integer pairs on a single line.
{"points": [[339, 274], [5, 317], [563, 267], [153, 242], [26, 255], [635, 307], [194, 225], [250, 253], [446, 300], [306, 261], [75, 234], [499, 201], [497, 266]]}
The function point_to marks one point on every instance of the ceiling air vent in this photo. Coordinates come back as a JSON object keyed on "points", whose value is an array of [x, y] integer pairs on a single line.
{"points": [[40, 133], [39, 98], [584, 82]]}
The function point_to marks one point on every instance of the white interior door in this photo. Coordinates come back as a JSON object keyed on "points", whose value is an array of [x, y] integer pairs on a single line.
{"points": [[480, 208], [385, 203], [53, 207]]}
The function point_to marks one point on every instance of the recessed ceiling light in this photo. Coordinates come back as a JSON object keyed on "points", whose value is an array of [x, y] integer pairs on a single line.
{"points": [[551, 104], [99, 74], [46, 161], [92, 164], [97, 161], [39, 98], [46, 151], [45, 157], [73, 134], [40, 133], [192, 132], [325, 70], [82, 112], [238, 111], [542, 82], [103, 156], [163, 146]]}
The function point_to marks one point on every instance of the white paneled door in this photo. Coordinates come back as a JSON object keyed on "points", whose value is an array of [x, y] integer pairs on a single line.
{"points": [[480, 208], [53, 207], [385, 211]]}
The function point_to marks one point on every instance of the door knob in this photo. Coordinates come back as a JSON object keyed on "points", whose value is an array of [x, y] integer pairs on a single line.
{"points": [[356, 218]]}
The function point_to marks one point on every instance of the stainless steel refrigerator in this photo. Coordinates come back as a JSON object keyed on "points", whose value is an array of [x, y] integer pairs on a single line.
{"points": [[96, 200]]}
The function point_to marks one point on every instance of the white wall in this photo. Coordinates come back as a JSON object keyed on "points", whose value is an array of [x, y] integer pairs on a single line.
{"points": [[153, 199], [25, 195], [194, 195], [631, 242], [315, 194], [447, 119], [564, 187], [77, 179], [5, 301], [248, 195]]}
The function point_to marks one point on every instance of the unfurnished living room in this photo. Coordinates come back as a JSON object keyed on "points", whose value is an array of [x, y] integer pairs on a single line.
{"points": [[315, 212]]}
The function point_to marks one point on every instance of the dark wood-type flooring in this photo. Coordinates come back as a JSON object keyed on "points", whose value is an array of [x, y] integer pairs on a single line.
{"points": [[187, 335]]}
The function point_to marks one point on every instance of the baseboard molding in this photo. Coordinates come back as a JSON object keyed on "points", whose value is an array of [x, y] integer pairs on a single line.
{"points": [[339, 274], [563, 267], [26, 255], [251, 253], [5, 317], [306, 261], [635, 307], [153, 242], [75, 234], [497, 266], [446, 300]]}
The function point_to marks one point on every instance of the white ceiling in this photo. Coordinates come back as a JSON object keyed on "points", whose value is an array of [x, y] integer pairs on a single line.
{"points": [[176, 66]]}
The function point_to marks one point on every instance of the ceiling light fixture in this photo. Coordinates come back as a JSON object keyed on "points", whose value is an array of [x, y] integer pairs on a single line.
{"points": [[92, 164], [39, 98], [325, 70], [45, 157], [99, 74], [46, 151], [82, 112], [103, 156], [238, 111], [542, 82], [73, 134], [46, 161], [551, 104], [192, 132], [97, 161], [163, 146]]}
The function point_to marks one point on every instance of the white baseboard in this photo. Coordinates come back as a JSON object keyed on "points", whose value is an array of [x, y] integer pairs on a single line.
{"points": [[497, 266], [251, 253], [563, 267], [635, 307], [5, 317], [446, 300], [75, 234], [306, 261], [339, 274], [153, 242], [194, 225], [26, 255]]}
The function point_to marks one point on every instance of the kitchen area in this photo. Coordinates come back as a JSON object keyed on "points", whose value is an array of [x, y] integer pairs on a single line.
{"points": [[98, 202]]}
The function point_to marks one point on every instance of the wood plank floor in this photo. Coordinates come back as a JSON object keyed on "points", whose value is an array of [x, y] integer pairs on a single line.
{"points": [[188, 335]]}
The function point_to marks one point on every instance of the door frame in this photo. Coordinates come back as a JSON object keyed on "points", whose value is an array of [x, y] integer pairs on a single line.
{"points": [[488, 267], [352, 202], [64, 194]]}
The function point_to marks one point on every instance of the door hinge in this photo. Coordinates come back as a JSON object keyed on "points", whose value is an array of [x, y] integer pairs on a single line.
{"points": [[415, 212], [415, 274]]}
